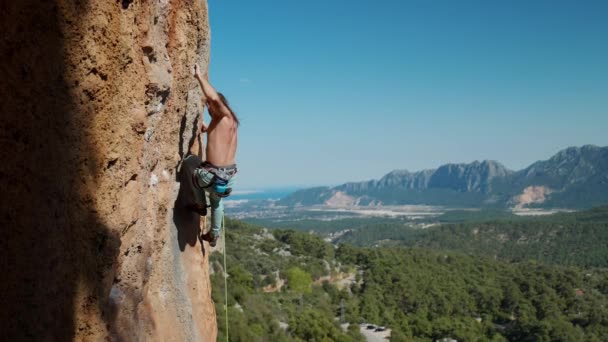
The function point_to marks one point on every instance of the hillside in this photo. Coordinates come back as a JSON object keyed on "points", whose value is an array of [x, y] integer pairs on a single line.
{"points": [[287, 286], [576, 177], [577, 238]]}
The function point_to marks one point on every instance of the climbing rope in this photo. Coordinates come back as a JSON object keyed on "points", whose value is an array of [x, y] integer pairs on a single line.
{"points": [[225, 277], [225, 271]]}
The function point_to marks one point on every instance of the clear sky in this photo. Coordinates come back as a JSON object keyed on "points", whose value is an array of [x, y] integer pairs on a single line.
{"points": [[330, 91]]}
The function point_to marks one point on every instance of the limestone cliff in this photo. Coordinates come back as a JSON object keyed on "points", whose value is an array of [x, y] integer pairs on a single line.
{"points": [[98, 108]]}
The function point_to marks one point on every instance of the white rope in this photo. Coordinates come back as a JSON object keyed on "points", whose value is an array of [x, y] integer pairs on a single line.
{"points": [[225, 277]]}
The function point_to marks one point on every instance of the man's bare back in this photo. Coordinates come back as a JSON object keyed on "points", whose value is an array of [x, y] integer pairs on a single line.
{"points": [[223, 129], [222, 141]]}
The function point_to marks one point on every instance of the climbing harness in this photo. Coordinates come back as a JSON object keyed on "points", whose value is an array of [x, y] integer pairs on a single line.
{"points": [[221, 178]]}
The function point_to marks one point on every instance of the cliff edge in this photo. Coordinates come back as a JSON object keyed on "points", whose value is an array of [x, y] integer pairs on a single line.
{"points": [[99, 107]]}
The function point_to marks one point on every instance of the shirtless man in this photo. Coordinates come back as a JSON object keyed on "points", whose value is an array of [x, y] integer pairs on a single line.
{"points": [[216, 175]]}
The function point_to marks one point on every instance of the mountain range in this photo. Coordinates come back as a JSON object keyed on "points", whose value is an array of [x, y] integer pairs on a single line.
{"points": [[576, 177]]}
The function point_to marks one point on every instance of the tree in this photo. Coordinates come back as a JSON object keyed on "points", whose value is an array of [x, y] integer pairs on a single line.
{"points": [[298, 280], [311, 325]]}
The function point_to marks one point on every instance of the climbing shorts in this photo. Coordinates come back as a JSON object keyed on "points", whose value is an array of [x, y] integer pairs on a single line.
{"points": [[214, 178]]}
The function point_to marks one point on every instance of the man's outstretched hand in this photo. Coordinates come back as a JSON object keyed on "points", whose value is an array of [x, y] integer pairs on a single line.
{"points": [[197, 71]]}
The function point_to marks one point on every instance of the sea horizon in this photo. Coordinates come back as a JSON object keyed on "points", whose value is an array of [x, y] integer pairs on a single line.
{"points": [[271, 193]]}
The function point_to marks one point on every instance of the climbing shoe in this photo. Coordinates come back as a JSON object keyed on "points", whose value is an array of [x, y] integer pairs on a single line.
{"points": [[211, 238], [197, 208]]}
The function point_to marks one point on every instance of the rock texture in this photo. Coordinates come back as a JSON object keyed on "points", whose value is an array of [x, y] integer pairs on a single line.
{"points": [[98, 108], [532, 195]]}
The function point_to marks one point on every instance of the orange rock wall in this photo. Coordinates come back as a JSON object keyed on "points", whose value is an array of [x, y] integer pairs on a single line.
{"points": [[98, 108]]}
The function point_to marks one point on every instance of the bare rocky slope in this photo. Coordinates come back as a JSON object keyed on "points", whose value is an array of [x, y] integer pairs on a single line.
{"points": [[98, 108], [576, 177]]}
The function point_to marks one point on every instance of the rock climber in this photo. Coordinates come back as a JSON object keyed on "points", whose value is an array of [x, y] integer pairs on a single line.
{"points": [[217, 173]]}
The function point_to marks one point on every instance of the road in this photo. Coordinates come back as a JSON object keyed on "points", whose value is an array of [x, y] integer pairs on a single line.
{"points": [[371, 335]]}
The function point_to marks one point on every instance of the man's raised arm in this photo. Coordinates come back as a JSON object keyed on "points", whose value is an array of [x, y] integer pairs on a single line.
{"points": [[212, 97]]}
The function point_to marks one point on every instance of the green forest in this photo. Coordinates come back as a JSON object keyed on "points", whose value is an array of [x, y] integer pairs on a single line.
{"points": [[286, 285], [576, 238]]}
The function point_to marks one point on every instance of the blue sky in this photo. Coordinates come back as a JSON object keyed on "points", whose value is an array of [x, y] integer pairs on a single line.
{"points": [[334, 91]]}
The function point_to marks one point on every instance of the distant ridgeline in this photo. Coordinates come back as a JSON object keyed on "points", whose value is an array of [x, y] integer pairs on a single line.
{"points": [[576, 177]]}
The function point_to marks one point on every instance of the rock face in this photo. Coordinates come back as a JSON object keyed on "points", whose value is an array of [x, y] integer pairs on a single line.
{"points": [[98, 108]]}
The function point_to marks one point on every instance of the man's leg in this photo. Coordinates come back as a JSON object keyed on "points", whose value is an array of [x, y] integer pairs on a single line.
{"points": [[217, 216], [201, 178], [217, 213]]}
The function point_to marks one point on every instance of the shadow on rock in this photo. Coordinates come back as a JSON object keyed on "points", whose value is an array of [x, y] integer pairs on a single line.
{"points": [[188, 223], [57, 254]]}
